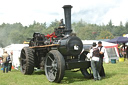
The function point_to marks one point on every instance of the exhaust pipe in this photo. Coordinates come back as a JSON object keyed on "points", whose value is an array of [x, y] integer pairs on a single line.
{"points": [[67, 14]]}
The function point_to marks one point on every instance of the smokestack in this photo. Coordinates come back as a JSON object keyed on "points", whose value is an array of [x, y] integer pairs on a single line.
{"points": [[67, 13]]}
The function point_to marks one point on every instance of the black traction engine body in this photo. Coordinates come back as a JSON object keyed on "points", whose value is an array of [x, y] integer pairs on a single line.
{"points": [[56, 52]]}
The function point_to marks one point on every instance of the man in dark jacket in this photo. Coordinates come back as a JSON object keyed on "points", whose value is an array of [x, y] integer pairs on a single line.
{"points": [[102, 51]]}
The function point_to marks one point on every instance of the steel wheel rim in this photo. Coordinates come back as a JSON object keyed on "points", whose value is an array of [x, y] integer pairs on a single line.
{"points": [[51, 67]]}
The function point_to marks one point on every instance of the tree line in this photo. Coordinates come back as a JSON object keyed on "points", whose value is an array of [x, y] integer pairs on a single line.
{"points": [[17, 33]]}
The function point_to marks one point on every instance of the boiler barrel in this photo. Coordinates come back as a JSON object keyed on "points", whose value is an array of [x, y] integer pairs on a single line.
{"points": [[71, 46]]}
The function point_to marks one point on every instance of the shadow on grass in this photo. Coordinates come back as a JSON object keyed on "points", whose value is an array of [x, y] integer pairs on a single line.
{"points": [[39, 73], [109, 75], [71, 77]]}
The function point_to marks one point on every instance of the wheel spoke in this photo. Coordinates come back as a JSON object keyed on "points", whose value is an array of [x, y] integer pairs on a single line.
{"points": [[54, 72], [23, 53], [23, 61], [55, 69], [50, 58], [90, 70], [51, 75], [23, 67]]}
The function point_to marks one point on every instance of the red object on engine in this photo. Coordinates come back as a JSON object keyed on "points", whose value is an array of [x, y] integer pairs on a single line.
{"points": [[51, 36]]}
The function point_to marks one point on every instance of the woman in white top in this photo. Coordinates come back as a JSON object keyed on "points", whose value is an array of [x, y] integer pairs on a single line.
{"points": [[95, 61]]}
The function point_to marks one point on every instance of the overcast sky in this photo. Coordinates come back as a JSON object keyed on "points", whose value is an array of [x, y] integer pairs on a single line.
{"points": [[91, 11]]}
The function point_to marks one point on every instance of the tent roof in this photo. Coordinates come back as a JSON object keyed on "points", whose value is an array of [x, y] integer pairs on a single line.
{"points": [[120, 39], [103, 42], [15, 46]]}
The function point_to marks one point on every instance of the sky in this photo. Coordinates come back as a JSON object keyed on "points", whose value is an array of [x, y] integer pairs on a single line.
{"points": [[91, 11]]}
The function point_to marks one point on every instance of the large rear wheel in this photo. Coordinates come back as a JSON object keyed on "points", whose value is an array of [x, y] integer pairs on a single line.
{"points": [[27, 61], [54, 66]]}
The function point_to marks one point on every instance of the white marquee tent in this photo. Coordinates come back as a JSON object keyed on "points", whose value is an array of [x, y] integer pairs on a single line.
{"points": [[16, 49]]}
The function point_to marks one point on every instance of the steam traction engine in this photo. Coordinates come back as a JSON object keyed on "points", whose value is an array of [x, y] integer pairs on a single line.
{"points": [[55, 52]]}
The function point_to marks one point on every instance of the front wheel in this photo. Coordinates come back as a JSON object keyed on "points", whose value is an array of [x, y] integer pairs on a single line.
{"points": [[54, 66], [87, 72]]}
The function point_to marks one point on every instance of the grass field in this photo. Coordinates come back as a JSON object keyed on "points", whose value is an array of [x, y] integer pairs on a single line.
{"points": [[116, 74]]}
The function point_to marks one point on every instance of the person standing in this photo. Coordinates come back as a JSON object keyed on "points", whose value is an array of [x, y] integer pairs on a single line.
{"points": [[0, 61], [10, 62], [102, 51], [95, 62], [5, 62]]}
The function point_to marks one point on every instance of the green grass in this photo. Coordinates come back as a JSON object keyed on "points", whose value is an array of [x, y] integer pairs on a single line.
{"points": [[116, 74]]}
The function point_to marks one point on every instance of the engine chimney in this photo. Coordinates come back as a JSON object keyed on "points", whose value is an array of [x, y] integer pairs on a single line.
{"points": [[67, 13]]}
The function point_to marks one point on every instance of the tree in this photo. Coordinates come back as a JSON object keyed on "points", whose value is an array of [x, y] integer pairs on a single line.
{"points": [[105, 35], [17, 33], [110, 23]]}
